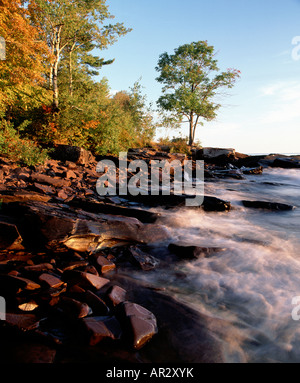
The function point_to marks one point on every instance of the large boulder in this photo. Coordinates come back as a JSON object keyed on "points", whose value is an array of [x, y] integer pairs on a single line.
{"points": [[74, 154]]}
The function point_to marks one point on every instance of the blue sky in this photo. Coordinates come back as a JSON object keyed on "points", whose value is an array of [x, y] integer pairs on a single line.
{"points": [[262, 113]]}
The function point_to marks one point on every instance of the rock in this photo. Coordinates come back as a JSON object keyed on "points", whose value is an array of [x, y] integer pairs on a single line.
{"points": [[206, 153], [73, 154], [74, 308], [107, 208], [144, 261], [215, 204], [12, 282], [193, 252], [56, 182], [142, 323], [117, 295], [59, 228], [22, 196], [40, 267], [24, 322], [62, 194], [44, 188], [84, 279], [51, 280], [98, 306], [267, 205], [10, 237], [28, 306], [258, 170], [105, 265], [70, 174], [286, 163], [99, 328]]}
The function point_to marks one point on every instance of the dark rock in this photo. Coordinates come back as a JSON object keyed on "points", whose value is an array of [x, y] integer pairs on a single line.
{"points": [[100, 328], [74, 308], [193, 252], [142, 322], [50, 280], [117, 295], [215, 204], [267, 205], [14, 283], [104, 265], [98, 306], [145, 261], [107, 208], [40, 267], [24, 322], [73, 154], [286, 163], [84, 279], [258, 170], [10, 237]]}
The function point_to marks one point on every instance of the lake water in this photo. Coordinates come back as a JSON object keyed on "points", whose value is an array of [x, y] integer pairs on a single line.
{"points": [[252, 283]]}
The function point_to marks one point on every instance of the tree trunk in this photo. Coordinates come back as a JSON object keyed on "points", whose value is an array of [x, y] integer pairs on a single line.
{"points": [[55, 67], [191, 138], [70, 74]]}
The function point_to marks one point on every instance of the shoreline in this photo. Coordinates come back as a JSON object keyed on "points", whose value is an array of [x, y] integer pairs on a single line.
{"points": [[62, 255]]}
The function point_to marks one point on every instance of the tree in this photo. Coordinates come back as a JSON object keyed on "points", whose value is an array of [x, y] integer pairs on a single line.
{"points": [[22, 73], [75, 26], [189, 84]]}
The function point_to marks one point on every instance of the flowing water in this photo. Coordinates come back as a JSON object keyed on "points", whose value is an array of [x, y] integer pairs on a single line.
{"points": [[252, 283]]}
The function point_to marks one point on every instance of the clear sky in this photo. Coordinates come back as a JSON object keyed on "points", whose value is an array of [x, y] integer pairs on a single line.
{"points": [[262, 113]]}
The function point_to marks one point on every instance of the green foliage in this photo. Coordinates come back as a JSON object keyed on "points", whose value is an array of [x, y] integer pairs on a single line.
{"points": [[24, 152], [190, 86]]}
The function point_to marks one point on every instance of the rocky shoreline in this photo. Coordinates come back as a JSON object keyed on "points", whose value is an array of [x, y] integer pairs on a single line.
{"points": [[66, 255]]}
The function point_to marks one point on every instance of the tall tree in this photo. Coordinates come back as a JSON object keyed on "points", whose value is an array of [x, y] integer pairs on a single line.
{"points": [[75, 26], [23, 68], [190, 85]]}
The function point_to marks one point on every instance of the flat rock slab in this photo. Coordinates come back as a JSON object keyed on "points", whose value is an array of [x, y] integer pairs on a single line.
{"points": [[84, 279], [43, 179], [193, 252], [142, 322], [100, 328], [274, 206]]}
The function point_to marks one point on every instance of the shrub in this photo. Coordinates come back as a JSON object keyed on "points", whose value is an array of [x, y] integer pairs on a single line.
{"points": [[24, 152]]}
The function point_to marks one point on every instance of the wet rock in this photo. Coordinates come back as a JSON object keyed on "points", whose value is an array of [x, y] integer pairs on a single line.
{"points": [[14, 283], [258, 170], [193, 252], [73, 308], [268, 205], [286, 163], [84, 279], [215, 204], [98, 306], [99, 328], [104, 265], [50, 280], [108, 208], [24, 322], [117, 295], [139, 258], [38, 268], [142, 323]]}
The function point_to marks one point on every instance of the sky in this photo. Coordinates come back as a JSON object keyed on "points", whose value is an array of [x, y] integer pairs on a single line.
{"points": [[261, 38]]}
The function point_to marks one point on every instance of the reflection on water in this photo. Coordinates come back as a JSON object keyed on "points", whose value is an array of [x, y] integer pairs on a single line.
{"points": [[253, 282]]}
